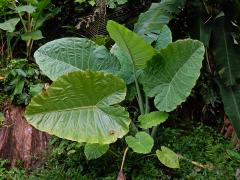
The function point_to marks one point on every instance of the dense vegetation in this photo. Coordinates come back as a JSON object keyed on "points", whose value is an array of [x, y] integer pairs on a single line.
{"points": [[146, 99], [211, 152]]}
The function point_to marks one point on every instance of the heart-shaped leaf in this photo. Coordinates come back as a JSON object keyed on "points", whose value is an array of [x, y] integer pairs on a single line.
{"points": [[171, 76], [141, 143], [152, 119], [81, 106], [9, 25], [74, 54], [26, 8], [94, 151], [168, 157], [34, 35]]}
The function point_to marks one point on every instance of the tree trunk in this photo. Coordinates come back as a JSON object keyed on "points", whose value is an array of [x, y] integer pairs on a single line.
{"points": [[19, 140]]}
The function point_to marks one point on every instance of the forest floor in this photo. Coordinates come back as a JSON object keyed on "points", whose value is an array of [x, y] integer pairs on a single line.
{"points": [[197, 143]]}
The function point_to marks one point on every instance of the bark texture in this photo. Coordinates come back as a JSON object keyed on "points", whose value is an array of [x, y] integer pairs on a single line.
{"points": [[19, 140]]}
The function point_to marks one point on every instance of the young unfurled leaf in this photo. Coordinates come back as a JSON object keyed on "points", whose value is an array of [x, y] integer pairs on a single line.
{"points": [[168, 157], [141, 143], [152, 119], [134, 47]]}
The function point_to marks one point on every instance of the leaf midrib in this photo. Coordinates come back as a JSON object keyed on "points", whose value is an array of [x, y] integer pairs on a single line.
{"points": [[174, 76]]}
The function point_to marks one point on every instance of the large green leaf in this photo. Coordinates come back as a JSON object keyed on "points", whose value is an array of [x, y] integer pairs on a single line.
{"points": [[226, 53], [94, 151], [134, 47], [9, 25], [231, 101], [150, 23], [171, 76], [168, 157], [152, 119], [141, 143], [73, 54], [81, 106]]}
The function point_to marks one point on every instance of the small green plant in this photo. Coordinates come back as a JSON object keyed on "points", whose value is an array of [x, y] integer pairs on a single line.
{"points": [[22, 81], [13, 174], [19, 78], [32, 15]]}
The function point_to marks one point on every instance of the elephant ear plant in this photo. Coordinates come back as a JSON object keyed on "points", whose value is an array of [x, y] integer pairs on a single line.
{"points": [[89, 83]]}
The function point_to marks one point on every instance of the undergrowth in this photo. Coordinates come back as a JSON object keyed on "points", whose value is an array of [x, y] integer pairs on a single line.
{"points": [[202, 144]]}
